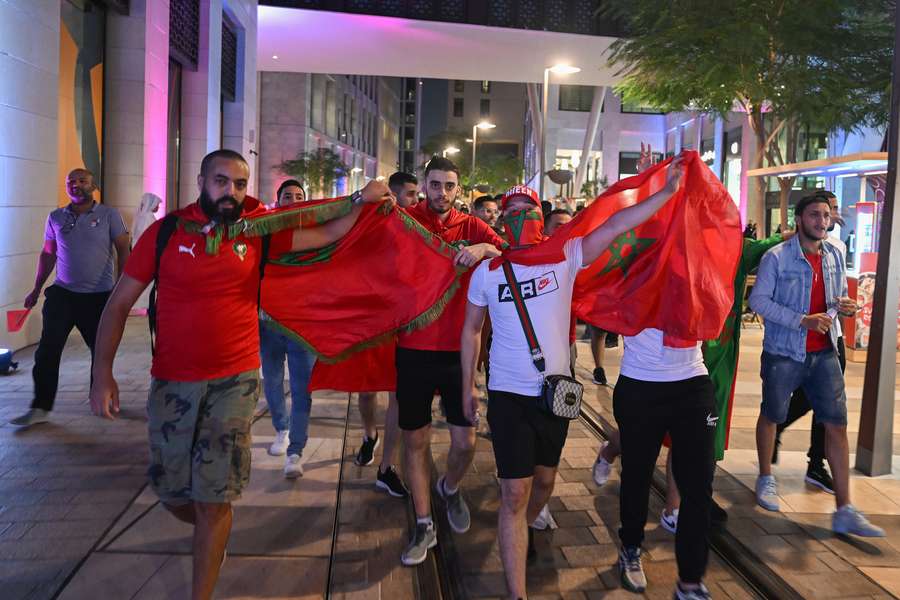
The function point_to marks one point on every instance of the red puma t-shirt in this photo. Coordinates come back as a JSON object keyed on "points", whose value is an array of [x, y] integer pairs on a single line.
{"points": [[815, 341], [207, 324], [444, 334]]}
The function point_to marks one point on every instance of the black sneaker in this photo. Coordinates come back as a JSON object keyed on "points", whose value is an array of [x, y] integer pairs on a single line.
{"points": [[390, 482], [366, 453], [532, 551], [717, 514], [599, 376], [817, 475]]}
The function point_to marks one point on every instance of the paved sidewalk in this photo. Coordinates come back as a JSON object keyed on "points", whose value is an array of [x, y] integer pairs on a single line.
{"points": [[74, 509], [797, 542]]}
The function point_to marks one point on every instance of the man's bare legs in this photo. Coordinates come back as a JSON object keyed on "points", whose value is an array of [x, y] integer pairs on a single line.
{"points": [[459, 459], [837, 450], [513, 532], [765, 444], [212, 526], [521, 501], [368, 405], [416, 445]]}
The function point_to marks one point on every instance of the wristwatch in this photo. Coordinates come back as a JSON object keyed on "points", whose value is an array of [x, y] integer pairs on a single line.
{"points": [[356, 197]]}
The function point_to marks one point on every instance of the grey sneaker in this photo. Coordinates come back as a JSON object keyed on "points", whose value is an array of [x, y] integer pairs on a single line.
{"points": [[767, 492], [631, 572], [849, 521], [32, 417], [457, 509], [425, 537]]}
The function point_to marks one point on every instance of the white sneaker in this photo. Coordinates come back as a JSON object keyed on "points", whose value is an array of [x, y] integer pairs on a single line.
{"points": [[849, 521], [281, 443], [669, 521], [32, 417], [292, 467], [602, 468], [767, 492], [544, 519]]}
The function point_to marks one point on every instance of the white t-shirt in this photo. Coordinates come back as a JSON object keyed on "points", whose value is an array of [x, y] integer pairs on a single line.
{"points": [[547, 290], [646, 358]]}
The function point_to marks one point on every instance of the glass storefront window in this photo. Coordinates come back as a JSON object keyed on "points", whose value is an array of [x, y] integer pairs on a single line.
{"points": [[82, 37]]}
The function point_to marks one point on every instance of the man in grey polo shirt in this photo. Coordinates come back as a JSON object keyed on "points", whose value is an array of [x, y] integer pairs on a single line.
{"points": [[79, 242]]}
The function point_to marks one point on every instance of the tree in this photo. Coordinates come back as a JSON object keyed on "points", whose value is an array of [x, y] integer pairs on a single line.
{"points": [[319, 168], [785, 63]]}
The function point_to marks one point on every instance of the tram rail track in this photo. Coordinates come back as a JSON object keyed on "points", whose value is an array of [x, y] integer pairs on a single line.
{"points": [[756, 574]]}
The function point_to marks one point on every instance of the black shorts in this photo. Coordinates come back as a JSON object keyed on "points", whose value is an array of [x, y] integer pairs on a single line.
{"points": [[421, 373], [524, 436]]}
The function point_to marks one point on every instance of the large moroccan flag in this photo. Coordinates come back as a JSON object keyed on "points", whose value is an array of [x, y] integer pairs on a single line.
{"points": [[675, 272], [388, 274], [721, 354]]}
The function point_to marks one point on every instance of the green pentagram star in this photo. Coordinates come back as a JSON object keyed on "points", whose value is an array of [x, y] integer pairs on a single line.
{"points": [[624, 250]]}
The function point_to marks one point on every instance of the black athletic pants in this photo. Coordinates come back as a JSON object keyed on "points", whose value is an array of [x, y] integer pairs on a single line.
{"points": [[685, 409], [62, 311], [800, 406]]}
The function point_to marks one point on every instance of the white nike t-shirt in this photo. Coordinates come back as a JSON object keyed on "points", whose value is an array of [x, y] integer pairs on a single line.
{"points": [[547, 290], [647, 358]]}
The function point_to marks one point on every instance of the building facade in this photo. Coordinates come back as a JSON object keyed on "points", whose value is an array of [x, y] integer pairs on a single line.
{"points": [[357, 117], [137, 92]]}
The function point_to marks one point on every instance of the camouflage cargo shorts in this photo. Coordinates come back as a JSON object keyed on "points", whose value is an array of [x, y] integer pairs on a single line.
{"points": [[200, 437]]}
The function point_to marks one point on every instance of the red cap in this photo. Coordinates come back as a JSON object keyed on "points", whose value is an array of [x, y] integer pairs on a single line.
{"points": [[520, 191]]}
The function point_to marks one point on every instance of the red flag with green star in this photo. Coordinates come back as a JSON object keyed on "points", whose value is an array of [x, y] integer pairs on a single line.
{"points": [[675, 272]]}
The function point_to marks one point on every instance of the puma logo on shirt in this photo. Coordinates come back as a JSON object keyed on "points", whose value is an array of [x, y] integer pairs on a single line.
{"points": [[186, 250], [538, 286]]}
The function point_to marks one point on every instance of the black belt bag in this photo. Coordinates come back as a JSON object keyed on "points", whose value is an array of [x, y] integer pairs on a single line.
{"points": [[560, 394]]}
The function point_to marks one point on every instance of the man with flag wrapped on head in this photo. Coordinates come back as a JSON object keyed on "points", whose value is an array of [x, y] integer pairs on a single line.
{"points": [[537, 297]]}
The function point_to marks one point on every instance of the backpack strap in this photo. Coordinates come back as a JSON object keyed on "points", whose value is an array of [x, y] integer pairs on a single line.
{"points": [[167, 227], [537, 356]]}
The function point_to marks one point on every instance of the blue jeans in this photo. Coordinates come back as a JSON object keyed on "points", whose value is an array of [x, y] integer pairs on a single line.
{"points": [[820, 378], [274, 347]]}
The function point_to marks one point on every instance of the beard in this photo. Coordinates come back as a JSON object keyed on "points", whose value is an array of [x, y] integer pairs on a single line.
{"points": [[812, 235], [435, 205], [219, 210]]}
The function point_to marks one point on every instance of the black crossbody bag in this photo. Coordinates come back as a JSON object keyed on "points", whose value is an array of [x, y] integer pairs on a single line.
{"points": [[560, 394]]}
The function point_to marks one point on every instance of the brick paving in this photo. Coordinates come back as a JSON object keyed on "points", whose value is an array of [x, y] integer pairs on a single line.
{"points": [[74, 509]]}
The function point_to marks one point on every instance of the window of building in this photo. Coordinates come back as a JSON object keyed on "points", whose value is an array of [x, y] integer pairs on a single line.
{"points": [[485, 87], [457, 107], [184, 32], [638, 107], [576, 97], [485, 107], [459, 85], [229, 59]]}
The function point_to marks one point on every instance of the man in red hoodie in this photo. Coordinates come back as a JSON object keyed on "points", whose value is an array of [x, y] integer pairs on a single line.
{"points": [[428, 361], [205, 379]]}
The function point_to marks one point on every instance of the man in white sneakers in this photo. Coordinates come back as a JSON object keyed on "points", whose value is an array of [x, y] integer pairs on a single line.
{"points": [[800, 289]]}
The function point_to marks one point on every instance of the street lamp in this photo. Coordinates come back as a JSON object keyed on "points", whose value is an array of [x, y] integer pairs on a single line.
{"points": [[450, 150], [560, 69], [475, 128]]}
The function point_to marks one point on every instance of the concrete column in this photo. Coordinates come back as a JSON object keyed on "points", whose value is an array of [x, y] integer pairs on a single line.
{"points": [[136, 109], [29, 187], [201, 93], [718, 147], [590, 133]]}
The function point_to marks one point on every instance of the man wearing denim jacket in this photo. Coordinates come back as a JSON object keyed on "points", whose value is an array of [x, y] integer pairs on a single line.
{"points": [[800, 288]]}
